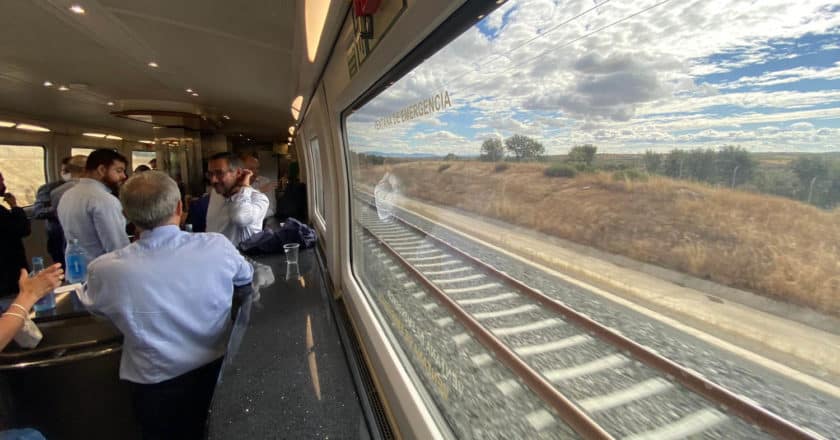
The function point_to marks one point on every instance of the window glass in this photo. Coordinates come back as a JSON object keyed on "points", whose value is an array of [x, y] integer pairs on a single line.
{"points": [[81, 151], [141, 158], [683, 157], [23, 169], [315, 152]]}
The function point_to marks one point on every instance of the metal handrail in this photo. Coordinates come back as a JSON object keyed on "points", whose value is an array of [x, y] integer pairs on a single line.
{"points": [[63, 359]]}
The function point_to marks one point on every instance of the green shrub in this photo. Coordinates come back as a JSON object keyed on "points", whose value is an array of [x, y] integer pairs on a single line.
{"points": [[582, 167], [614, 167], [501, 167], [560, 170], [630, 174], [444, 167]]}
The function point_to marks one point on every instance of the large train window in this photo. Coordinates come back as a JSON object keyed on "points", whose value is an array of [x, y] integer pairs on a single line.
{"points": [[24, 170], [612, 215], [315, 153], [81, 151], [142, 158]]}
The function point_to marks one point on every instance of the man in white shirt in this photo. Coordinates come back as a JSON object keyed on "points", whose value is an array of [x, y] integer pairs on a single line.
{"points": [[89, 211], [261, 183], [236, 210], [170, 294]]}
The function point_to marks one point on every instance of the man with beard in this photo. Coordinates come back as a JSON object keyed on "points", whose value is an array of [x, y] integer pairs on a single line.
{"points": [[13, 227], [236, 210], [90, 212]]}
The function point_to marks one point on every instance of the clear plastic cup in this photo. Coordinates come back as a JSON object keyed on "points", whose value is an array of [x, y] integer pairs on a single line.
{"points": [[291, 251]]}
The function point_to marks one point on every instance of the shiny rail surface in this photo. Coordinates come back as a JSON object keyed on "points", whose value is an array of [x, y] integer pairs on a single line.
{"points": [[574, 413]]}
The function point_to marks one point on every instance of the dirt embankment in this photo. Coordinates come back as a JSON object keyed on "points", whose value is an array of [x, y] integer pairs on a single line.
{"points": [[769, 245]]}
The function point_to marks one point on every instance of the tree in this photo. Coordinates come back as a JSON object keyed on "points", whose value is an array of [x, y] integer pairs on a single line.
{"points": [[492, 150], [807, 168], [524, 148], [700, 165], [450, 156], [583, 154], [812, 172], [674, 164], [779, 182], [734, 166], [653, 161]]}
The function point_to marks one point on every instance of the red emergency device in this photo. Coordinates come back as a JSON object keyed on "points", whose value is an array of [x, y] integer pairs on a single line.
{"points": [[364, 10]]}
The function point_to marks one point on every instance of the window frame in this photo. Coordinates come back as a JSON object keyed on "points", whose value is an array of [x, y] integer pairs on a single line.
{"points": [[413, 406], [318, 179]]}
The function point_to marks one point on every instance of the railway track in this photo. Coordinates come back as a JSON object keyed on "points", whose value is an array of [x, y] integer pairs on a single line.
{"points": [[595, 379]]}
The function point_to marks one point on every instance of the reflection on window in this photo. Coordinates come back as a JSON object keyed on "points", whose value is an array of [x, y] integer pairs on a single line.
{"points": [[583, 136], [23, 169], [315, 152]]}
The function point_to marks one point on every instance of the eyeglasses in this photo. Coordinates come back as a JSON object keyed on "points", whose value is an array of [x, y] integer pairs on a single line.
{"points": [[216, 173]]}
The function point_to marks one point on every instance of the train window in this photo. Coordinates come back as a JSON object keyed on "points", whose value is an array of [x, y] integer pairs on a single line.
{"points": [[666, 173], [315, 152], [24, 170], [81, 151], [141, 158]]}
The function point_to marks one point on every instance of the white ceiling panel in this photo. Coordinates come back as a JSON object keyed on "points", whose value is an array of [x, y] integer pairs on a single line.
{"points": [[243, 58]]}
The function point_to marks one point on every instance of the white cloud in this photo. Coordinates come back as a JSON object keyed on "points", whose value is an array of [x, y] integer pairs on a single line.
{"points": [[630, 82], [802, 126]]}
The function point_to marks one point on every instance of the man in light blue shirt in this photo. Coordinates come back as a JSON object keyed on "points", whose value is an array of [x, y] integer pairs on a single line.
{"points": [[89, 211], [170, 294]]}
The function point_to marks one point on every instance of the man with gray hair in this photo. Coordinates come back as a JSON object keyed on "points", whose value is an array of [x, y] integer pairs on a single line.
{"points": [[170, 293]]}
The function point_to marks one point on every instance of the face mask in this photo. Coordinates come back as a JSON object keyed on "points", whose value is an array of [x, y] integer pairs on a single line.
{"points": [[66, 176]]}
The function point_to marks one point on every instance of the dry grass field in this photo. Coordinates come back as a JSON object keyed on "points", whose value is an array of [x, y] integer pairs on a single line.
{"points": [[769, 245], [23, 171]]}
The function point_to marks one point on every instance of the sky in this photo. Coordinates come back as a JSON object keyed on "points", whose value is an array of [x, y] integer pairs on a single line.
{"points": [[627, 76]]}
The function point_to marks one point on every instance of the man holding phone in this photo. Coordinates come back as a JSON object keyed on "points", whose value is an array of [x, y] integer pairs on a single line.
{"points": [[236, 210]]}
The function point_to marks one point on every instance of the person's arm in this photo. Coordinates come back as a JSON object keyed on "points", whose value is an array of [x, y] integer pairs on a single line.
{"points": [[14, 223], [31, 290], [110, 226], [248, 207], [43, 204], [244, 271]]}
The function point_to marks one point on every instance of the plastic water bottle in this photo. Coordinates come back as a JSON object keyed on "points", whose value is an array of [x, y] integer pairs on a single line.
{"points": [[48, 301], [75, 263]]}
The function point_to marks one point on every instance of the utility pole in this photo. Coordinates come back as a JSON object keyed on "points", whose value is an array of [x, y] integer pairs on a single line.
{"points": [[811, 189]]}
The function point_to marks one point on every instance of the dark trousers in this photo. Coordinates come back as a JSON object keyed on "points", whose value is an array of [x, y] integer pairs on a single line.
{"points": [[176, 408]]}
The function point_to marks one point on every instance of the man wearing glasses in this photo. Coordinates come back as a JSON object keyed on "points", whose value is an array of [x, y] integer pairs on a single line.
{"points": [[236, 210]]}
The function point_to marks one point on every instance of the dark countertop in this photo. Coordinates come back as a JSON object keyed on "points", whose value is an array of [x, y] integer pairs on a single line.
{"points": [[286, 374], [67, 305]]}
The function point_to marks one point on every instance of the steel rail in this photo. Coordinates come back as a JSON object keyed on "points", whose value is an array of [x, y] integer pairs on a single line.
{"points": [[745, 409], [565, 408]]}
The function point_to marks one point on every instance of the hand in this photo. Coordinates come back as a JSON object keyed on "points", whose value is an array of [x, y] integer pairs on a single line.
{"points": [[243, 179], [33, 289], [10, 199]]}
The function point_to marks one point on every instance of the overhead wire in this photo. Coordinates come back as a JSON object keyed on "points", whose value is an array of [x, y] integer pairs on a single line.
{"points": [[581, 37], [531, 40]]}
